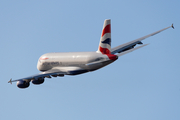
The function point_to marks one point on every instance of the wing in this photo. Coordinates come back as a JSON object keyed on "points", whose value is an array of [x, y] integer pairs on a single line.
{"points": [[127, 51], [132, 44], [46, 74], [57, 71]]}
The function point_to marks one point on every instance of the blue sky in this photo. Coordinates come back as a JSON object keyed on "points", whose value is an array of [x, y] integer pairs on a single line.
{"points": [[142, 85]]}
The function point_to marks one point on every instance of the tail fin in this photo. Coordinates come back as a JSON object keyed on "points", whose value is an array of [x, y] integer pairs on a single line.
{"points": [[105, 41]]}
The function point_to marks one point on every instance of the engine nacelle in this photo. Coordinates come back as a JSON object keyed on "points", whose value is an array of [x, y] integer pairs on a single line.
{"points": [[22, 84], [38, 81]]}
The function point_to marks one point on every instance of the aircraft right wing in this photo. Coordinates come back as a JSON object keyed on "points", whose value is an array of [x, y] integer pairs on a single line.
{"points": [[130, 45], [130, 50]]}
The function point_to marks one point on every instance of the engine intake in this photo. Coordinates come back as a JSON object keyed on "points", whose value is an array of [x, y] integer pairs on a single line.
{"points": [[22, 84], [38, 81]]}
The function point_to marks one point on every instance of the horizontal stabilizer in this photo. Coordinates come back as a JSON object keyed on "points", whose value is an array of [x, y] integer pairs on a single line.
{"points": [[122, 53]]}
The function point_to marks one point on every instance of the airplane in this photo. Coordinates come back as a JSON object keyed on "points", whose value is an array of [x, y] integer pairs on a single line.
{"points": [[75, 63]]}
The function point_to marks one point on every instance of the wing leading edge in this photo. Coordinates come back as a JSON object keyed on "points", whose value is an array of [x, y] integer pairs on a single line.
{"points": [[130, 45], [40, 75]]}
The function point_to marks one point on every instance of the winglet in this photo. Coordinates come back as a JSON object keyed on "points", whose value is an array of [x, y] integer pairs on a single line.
{"points": [[10, 81], [172, 26]]}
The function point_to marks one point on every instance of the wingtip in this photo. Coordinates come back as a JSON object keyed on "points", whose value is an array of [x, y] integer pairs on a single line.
{"points": [[10, 81], [172, 26]]}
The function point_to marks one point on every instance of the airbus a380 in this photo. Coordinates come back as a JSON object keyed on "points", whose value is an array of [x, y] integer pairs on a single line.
{"points": [[74, 63]]}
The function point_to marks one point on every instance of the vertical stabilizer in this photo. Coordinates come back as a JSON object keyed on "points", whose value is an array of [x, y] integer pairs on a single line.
{"points": [[105, 41]]}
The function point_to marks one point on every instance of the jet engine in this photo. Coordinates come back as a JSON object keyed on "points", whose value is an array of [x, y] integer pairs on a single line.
{"points": [[38, 81], [22, 84]]}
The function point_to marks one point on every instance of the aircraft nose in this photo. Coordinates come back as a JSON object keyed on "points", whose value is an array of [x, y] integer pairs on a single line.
{"points": [[39, 65]]}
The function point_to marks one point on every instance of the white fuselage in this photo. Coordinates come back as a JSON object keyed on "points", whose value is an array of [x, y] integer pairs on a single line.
{"points": [[88, 61]]}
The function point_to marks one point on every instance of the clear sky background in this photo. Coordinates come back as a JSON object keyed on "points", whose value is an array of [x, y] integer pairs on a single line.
{"points": [[142, 85]]}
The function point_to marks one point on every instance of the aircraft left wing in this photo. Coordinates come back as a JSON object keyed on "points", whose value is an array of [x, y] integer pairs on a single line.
{"points": [[46, 74], [57, 71], [132, 44]]}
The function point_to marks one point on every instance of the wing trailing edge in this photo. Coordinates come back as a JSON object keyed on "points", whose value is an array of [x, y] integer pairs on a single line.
{"points": [[128, 51]]}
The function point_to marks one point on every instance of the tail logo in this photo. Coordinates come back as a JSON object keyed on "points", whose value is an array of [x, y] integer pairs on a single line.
{"points": [[107, 29], [105, 41]]}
